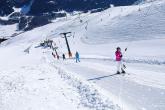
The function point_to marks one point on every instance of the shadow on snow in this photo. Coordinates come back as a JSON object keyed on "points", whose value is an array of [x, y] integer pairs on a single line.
{"points": [[99, 78]]}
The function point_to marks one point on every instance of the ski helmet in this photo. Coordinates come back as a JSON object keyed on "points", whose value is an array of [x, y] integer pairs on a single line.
{"points": [[118, 48]]}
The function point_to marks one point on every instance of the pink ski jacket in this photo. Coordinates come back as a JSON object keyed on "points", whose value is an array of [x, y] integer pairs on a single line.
{"points": [[118, 55]]}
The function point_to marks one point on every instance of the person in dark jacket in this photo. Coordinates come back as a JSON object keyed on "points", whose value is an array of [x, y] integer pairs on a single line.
{"points": [[63, 56]]}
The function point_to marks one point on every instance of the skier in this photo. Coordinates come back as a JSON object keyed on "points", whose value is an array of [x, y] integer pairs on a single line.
{"points": [[119, 61], [77, 57], [63, 56], [53, 55], [58, 57]]}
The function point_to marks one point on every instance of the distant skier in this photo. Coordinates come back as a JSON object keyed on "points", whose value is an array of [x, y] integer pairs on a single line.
{"points": [[77, 57], [63, 56], [119, 56], [53, 55], [58, 57]]}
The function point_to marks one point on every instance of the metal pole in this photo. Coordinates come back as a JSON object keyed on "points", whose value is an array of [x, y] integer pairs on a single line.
{"points": [[69, 51]]}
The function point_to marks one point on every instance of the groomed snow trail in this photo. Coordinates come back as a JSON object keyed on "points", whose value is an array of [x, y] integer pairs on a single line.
{"points": [[135, 90], [30, 82]]}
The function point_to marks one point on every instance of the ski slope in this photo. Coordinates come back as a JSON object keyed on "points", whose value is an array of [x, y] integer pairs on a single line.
{"points": [[38, 81]]}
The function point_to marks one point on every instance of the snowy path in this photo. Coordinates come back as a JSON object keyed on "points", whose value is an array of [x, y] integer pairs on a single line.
{"points": [[30, 82], [141, 90]]}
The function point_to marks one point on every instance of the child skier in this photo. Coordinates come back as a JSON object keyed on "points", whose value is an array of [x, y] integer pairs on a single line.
{"points": [[77, 57], [119, 61]]}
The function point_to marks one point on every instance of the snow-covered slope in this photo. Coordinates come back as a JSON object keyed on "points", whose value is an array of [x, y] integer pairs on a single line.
{"points": [[90, 84]]}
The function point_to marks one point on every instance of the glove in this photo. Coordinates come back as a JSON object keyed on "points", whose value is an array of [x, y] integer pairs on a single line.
{"points": [[121, 55], [125, 49]]}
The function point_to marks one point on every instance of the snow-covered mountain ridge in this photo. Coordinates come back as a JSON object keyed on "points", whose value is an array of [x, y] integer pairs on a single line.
{"points": [[36, 7]]}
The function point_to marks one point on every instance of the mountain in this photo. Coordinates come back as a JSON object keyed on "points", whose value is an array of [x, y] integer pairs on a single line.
{"points": [[44, 6], [6, 7], [39, 7], [35, 13]]}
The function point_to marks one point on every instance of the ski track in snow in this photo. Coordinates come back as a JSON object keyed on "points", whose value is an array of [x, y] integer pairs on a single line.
{"points": [[42, 85], [148, 77], [141, 87], [89, 96]]}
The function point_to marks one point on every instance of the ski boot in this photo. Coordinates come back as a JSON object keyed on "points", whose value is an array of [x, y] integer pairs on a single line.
{"points": [[118, 72], [122, 71]]}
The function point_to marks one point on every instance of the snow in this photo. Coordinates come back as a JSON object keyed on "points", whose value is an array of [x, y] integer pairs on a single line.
{"points": [[7, 34], [34, 89], [16, 9], [38, 81], [30, 82], [146, 86]]}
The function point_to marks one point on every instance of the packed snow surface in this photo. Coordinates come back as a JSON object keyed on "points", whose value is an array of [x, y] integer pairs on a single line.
{"points": [[38, 81]]}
